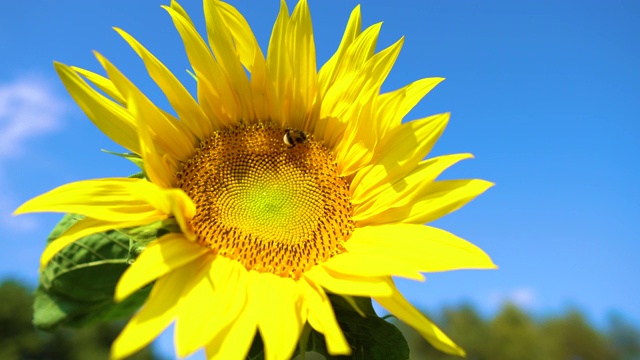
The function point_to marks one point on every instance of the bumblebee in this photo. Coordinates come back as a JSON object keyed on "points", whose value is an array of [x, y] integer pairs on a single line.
{"points": [[293, 137]]}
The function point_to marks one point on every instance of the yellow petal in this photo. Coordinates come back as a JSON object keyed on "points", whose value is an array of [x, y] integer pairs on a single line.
{"points": [[371, 264], [322, 318], [162, 256], [301, 48], [279, 311], [404, 311], [394, 106], [279, 67], [375, 71], [327, 73], [192, 314], [156, 314], [181, 11], [423, 248], [177, 203], [217, 98], [404, 190], [399, 152], [330, 127], [102, 83], [110, 204], [251, 57], [245, 42], [438, 199], [234, 342], [356, 147], [347, 284], [224, 50], [111, 200], [168, 134], [329, 130], [223, 282], [111, 118], [158, 166], [339, 98], [182, 102]]}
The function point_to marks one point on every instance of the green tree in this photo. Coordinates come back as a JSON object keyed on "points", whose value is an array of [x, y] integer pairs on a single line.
{"points": [[464, 325], [514, 335], [571, 337], [20, 341], [624, 338]]}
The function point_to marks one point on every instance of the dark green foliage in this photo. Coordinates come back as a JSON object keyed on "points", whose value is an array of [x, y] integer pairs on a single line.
{"points": [[77, 286], [624, 337], [574, 338], [514, 335], [370, 337], [19, 340]]}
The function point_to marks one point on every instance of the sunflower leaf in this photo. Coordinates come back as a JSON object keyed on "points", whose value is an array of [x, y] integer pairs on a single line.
{"points": [[134, 158], [193, 75], [77, 286], [53, 310], [370, 337], [361, 305], [141, 236], [139, 175], [256, 352]]}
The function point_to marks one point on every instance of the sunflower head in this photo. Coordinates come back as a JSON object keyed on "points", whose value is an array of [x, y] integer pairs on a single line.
{"points": [[270, 199], [287, 182]]}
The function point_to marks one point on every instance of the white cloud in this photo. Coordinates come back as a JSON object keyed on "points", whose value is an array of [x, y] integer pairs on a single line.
{"points": [[524, 297], [29, 109]]}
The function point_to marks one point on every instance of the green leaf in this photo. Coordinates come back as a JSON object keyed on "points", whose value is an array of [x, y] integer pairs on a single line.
{"points": [[139, 175], [192, 74], [362, 305], [370, 337], [134, 158], [256, 352], [140, 236], [52, 310], [77, 286]]}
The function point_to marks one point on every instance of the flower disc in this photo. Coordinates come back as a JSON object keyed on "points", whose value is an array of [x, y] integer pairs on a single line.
{"points": [[272, 205]]}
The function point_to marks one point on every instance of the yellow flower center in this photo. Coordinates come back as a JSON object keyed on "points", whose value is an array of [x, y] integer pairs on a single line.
{"points": [[269, 198]]}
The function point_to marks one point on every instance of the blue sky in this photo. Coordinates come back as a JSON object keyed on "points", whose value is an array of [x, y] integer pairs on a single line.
{"points": [[544, 93]]}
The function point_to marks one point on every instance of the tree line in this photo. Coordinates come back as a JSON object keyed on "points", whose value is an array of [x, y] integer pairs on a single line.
{"points": [[512, 334], [19, 340]]}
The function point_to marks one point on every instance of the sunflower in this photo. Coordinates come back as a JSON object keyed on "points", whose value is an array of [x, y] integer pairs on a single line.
{"points": [[288, 184]]}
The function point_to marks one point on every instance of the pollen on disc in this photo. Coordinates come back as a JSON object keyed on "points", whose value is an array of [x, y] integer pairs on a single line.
{"points": [[271, 206]]}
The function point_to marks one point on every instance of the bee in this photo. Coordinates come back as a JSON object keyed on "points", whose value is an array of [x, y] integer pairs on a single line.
{"points": [[293, 137]]}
